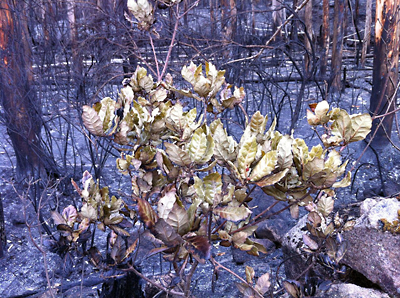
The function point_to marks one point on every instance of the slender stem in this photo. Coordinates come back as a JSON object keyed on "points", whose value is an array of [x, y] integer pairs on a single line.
{"points": [[189, 278], [209, 225], [155, 58], [261, 219], [171, 46], [377, 127], [131, 268], [244, 112], [278, 30], [265, 211], [218, 265]]}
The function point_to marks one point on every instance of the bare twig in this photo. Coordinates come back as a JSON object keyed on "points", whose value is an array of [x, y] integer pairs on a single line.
{"points": [[131, 268], [218, 265], [278, 30]]}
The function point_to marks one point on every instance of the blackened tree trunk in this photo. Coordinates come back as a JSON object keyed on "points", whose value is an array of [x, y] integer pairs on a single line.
{"points": [[325, 38], [278, 16], [3, 240], [228, 25], [308, 38], [22, 108], [212, 17], [337, 47], [77, 63], [385, 73], [367, 31], [253, 17]]}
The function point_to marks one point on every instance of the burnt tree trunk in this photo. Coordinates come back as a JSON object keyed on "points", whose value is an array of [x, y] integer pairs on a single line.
{"points": [[228, 24], [367, 32], [212, 17], [325, 38], [253, 17], [22, 108], [77, 63], [337, 47], [278, 17], [385, 72], [308, 38], [3, 239]]}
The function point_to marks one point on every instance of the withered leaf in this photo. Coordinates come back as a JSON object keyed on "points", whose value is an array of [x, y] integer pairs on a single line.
{"points": [[131, 248], [92, 121], [57, 218], [341, 251], [325, 205], [294, 211], [157, 250], [146, 213], [263, 284], [292, 289], [166, 233], [198, 245], [233, 213], [249, 274], [245, 290], [314, 218], [118, 250], [119, 231], [310, 242], [177, 155], [178, 218], [95, 256]]}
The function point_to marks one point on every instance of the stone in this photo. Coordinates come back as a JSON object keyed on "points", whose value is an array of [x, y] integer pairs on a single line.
{"points": [[296, 261], [372, 210], [346, 290], [240, 257], [273, 229], [372, 252]]}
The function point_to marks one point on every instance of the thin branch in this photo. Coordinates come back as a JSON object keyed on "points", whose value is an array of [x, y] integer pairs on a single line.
{"points": [[131, 268], [278, 30], [218, 265]]}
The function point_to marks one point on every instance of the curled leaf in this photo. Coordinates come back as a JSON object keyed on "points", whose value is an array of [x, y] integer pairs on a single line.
{"points": [[233, 213], [263, 284], [146, 213], [310, 242], [320, 114], [92, 121]]}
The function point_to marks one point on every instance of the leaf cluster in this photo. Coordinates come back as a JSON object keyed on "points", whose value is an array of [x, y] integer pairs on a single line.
{"points": [[175, 158]]}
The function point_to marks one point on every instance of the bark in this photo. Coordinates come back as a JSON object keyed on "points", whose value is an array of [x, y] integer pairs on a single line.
{"points": [[185, 17], [212, 17], [337, 47], [278, 16], [325, 37], [367, 32], [385, 72], [22, 108], [309, 37], [253, 17], [3, 239], [77, 63], [233, 19], [228, 25]]}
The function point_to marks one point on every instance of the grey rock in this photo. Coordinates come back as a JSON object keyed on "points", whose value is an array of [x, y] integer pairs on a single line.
{"points": [[296, 261], [372, 252], [240, 257], [372, 210], [273, 229], [345, 290]]}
